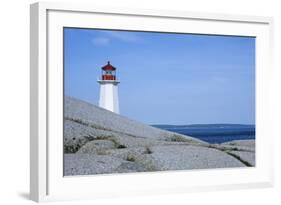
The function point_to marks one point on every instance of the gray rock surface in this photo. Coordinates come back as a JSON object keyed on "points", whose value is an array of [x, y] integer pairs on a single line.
{"points": [[85, 164], [247, 157], [97, 147], [179, 157], [97, 141], [243, 150], [89, 164], [241, 143]]}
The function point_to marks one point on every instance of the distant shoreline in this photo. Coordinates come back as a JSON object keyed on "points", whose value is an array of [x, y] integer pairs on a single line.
{"points": [[203, 125], [214, 133]]}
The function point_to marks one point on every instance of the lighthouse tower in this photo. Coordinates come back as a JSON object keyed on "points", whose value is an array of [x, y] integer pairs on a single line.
{"points": [[109, 89]]}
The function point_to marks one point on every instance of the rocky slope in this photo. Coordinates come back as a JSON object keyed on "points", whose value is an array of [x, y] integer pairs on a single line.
{"points": [[97, 141]]}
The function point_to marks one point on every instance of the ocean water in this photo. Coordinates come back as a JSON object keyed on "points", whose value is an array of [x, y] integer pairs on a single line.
{"points": [[214, 133]]}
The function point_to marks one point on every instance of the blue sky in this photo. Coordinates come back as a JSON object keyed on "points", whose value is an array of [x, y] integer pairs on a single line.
{"points": [[166, 78]]}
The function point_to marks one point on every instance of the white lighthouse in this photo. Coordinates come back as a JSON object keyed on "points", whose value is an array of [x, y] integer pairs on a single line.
{"points": [[109, 89]]}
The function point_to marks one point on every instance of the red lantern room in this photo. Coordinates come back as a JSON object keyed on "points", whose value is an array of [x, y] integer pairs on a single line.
{"points": [[108, 72]]}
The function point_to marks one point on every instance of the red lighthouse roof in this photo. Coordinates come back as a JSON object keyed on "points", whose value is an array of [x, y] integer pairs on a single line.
{"points": [[108, 67]]}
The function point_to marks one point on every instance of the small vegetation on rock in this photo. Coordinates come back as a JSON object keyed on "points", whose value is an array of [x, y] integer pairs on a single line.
{"points": [[74, 147], [147, 150], [178, 138], [121, 146], [131, 158]]}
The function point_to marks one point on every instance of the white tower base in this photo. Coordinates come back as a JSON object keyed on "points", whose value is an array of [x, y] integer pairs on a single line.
{"points": [[109, 95]]}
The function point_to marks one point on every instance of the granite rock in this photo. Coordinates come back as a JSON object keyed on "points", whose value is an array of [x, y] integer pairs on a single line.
{"points": [[97, 141]]}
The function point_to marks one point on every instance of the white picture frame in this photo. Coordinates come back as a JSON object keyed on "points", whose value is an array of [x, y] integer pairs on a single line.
{"points": [[46, 177]]}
